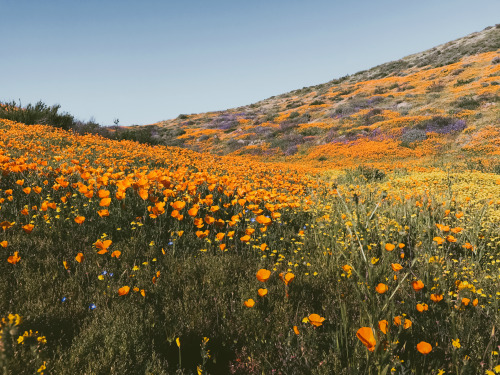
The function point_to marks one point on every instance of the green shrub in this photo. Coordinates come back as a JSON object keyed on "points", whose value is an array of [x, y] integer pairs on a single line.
{"points": [[40, 113]]}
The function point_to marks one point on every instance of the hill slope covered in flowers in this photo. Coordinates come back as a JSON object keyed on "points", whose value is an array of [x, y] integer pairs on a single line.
{"points": [[441, 101]]}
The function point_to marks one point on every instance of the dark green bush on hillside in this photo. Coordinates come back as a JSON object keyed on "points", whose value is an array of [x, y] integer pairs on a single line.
{"points": [[40, 113]]}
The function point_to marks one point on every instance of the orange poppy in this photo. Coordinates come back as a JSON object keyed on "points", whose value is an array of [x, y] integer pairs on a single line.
{"points": [[103, 246], [262, 292], [4, 243], [365, 335], [436, 297], [450, 238], [389, 246], [13, 259], [438, 240], [103, 193], [143, 194], [396, 267], [296, 330], [79, 219], [123, 290], [288, 278], [417, 285], [79, 257], [249, 303], [193, 211], [263, 220], [383, 325], [103, 213], [178, 205], [263, 275], [105, 202], [421, 307], [116, 254], [28, 228], [424, 347], [316, 320], [381, 288]]}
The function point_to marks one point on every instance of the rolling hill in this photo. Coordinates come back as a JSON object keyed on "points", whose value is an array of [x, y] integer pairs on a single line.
{"points": [[440, 102]]}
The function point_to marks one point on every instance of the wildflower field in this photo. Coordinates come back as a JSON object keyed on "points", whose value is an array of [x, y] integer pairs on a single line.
{"points": [[122, 258]]}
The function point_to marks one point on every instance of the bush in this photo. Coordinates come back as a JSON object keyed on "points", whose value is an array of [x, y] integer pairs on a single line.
{"points": [[413, 135], [40, 113], [462, 82], [317, 102], [435, 87], [468, 102]]}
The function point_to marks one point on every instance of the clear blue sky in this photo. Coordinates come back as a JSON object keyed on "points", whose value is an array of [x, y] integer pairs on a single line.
{"points": [[146, 61]]}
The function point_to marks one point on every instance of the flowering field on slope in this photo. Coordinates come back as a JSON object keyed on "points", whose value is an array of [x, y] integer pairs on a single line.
{"points": [[418, 114], [123, 258]]}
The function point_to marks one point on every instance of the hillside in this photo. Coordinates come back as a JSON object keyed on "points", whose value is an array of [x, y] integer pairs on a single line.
{"points": [[443, 101]]}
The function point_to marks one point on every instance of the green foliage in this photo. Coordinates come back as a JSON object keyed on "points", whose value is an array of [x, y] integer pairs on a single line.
{"points": [[40, 113]]}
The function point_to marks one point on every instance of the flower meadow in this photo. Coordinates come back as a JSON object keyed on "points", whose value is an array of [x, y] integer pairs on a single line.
{"points": [[122, 258]]}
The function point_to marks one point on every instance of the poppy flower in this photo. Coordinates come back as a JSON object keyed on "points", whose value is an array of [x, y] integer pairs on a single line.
{"points": [[123, 290], [79, 219], [424, 347], [450, 238], [178, 205], [438, 240], [116, 254], [347, 268], [417, 285], [105, 202], [383, 325], [103, 246], [143, 194], [296, 330], [465, 301], [436, 297], [103, 193], [316, 320], [421, 307], [381, 288], [4, 243], [79, 257], [365, 335], [28, 228], [263, 275], [262, 292], [13, 259], [263, 220], [389, 246], [249, 303], [288, 278], [407, 323], [103, 213], [396, 267]]}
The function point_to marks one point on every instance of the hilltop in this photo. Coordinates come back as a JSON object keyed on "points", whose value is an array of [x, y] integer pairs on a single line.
{"points": [[443, 101]]}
